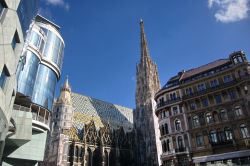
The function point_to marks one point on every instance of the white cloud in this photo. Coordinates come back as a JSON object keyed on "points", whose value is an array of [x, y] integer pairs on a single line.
{"points": [[230, 10], [60, 3]]}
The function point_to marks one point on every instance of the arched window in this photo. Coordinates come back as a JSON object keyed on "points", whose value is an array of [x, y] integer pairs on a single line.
{"points": [[213, 136], [244, 131], [228, 133], [177, 125], [180, 143], [209, 118], [196, 121]]}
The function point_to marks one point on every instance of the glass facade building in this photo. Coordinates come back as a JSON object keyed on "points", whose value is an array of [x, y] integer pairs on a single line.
{"points": [[40, 67]]}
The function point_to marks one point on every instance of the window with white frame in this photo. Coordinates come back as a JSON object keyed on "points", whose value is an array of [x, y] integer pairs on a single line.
{"points": [[199, 140], [213, 136], [201, 87], [228, 133], [209, 118], [175, 110], [196, 121], [177, 125], [244, 131], [238, 111], [189, 91], [227, 78], [214, 83]]}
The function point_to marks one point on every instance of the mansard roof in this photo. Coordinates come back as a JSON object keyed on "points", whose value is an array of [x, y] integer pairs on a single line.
{"points": [[204, 68], [101, 112]]}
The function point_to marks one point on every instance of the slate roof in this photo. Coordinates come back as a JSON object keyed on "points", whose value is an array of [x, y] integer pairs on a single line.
{"points": [[88, 108], [204, 68]]}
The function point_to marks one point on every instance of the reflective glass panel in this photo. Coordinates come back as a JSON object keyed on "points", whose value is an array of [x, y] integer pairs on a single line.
{"points": [[44, 88], [35, 39], [26, 78]]}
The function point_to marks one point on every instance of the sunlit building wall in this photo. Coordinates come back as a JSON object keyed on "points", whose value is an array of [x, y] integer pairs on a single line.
{"points": [[15, 18]]}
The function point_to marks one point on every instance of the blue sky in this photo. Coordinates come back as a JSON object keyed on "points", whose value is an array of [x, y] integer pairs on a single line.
{"points": [[103, 40]]}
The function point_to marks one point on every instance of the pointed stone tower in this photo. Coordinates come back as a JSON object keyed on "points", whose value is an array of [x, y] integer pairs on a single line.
{"points": [[147, 84], [62, 109], [61, 120]]}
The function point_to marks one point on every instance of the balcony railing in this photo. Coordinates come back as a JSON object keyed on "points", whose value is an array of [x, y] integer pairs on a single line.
{"points": [[221, 143], [161, 104], [175, 151], [39, 113]]}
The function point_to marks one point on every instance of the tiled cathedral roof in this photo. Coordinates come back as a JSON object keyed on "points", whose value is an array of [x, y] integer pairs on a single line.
{"points": [[88, 108]]}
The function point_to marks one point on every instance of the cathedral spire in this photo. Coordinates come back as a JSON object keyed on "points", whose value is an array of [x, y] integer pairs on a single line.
{"points": [[147, 84], [65, 95], [144, 46]]}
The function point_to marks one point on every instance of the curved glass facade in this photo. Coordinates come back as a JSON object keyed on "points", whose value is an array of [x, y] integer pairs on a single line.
{"points": [[53, 49], [42, 61], [43, 93], [26, 76]]}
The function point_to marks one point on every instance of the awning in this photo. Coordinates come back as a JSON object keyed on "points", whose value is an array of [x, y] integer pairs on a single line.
{"points": [[222, 156]]}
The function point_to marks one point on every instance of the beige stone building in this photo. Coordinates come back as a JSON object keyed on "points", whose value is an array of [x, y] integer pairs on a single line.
{"points": [[214, 113]]}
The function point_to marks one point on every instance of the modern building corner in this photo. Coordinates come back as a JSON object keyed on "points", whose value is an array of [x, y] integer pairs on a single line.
{"points": [[15, 18], [39, 70]]}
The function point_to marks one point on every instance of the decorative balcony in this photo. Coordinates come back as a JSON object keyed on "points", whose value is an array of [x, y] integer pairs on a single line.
{"points": [[221, 143], [182, 150], [168, 102]]}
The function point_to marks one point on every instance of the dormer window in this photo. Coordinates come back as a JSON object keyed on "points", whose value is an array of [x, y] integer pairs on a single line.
{"points": [[238, 58]]}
